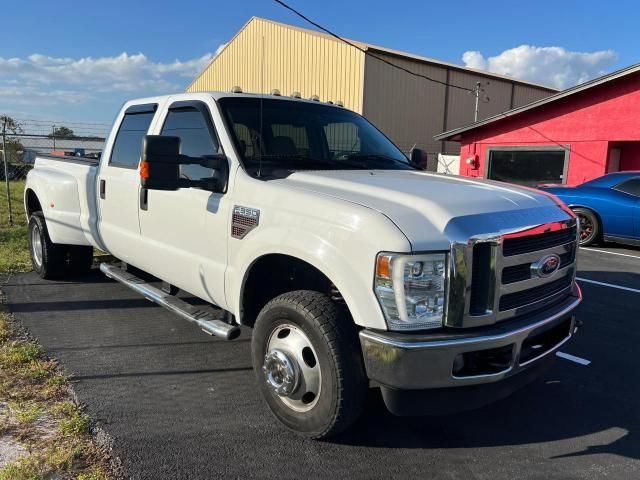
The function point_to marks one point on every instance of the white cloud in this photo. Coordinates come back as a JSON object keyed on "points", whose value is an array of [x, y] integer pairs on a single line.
{"points": [[220, 48], [553, 66], [74, 80]]}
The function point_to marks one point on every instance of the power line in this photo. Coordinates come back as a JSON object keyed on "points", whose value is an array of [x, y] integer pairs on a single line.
{"points": [[367, 52]]}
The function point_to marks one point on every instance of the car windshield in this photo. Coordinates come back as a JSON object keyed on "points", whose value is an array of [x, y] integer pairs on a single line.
{"points": [[276, 137]]}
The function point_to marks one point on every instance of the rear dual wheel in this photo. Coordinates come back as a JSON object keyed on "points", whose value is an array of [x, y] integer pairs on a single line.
{"points": [[307, 360], [55, 260]]}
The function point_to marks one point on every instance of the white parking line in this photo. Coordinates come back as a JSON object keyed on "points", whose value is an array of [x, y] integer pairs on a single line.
{"points": [[573, 358], [610, 253], [610, 285]]}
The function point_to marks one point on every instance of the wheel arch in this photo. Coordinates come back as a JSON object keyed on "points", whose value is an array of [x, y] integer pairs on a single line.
{"points": [[601, 224], [260, 285], [31, 202]]}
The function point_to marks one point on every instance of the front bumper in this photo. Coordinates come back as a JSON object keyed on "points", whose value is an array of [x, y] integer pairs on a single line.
{"points": [[401, 361]]}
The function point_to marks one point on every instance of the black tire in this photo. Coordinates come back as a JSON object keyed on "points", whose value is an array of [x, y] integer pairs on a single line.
{"points": [[50, 262], [334, 339], [55, 260], [589, 226]]}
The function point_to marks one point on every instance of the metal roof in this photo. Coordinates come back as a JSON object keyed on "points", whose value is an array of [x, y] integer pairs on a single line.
{"points": [[389, 51], [452, 134]]}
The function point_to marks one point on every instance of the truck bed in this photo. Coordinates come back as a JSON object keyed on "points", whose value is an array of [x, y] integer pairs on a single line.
{"points": [[66, 191]]}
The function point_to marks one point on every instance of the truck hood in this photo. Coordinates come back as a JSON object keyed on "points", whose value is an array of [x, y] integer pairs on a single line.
{"points": [[423, 205]]}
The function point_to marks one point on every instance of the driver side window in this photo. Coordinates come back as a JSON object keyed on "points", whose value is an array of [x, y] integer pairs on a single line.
{"points": [[196, 138]]}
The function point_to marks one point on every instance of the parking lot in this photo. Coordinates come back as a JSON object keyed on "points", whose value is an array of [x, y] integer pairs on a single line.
{"points": [[178, 404]]}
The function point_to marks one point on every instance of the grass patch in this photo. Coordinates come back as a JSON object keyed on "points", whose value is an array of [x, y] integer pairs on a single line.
{"points": [[14, 252], [37, 408], [41, 415]]}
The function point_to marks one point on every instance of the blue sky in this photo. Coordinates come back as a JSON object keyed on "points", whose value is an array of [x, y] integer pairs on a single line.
{"points": [[78, 61]]}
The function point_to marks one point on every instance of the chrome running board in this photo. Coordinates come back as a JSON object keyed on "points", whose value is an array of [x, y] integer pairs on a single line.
{"points": [[204, 320]]}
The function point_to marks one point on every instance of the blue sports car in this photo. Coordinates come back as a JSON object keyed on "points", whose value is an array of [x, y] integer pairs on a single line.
{"points": [[608, 207]]}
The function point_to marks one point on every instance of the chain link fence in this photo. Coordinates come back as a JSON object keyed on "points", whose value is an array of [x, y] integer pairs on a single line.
{"points": [[21, 140]]}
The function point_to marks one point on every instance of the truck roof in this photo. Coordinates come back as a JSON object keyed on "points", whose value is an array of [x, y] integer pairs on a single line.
{"points": [[218, 95]]}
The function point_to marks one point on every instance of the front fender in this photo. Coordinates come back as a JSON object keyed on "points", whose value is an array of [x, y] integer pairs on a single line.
{"points": [[349, 266]]}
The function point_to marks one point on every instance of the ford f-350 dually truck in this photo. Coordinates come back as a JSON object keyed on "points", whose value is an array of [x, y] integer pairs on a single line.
{"points": [[302, 221]]}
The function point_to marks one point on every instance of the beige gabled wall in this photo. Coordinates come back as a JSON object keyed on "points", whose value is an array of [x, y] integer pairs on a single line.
{"points": [[294, 60]]}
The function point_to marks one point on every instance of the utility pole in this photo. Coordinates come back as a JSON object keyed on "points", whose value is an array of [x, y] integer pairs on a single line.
{"points": [[53, 135], [477, 91], [6, 169], [477, 94]]}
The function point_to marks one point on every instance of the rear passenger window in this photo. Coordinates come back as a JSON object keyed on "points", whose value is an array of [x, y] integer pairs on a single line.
{"points": [[128, 145], [196, 138], [631, 186]]}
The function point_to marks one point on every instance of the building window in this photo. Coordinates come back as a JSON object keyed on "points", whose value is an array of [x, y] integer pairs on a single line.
{"points": [[527, 166]]}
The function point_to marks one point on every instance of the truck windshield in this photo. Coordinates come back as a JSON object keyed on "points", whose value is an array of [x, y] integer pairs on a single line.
{"points": [[285, 136]]}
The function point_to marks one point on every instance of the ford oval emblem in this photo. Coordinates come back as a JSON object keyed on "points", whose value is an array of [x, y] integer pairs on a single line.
{"points": [[546, 266]]}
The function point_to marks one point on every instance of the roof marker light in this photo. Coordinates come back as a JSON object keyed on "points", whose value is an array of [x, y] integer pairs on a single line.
{"points": [[296, 95], [236, 89], [275, 92], [314, 98]]}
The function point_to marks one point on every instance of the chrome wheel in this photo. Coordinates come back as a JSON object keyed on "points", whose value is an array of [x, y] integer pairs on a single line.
{"points": [[36, 245], [291, 369]]}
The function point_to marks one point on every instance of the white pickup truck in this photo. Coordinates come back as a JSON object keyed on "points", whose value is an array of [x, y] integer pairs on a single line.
{"points": [[302, 221]]}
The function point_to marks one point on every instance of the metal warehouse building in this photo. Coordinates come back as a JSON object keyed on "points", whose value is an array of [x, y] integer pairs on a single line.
{"points": [[266, 55], [570, 137]]}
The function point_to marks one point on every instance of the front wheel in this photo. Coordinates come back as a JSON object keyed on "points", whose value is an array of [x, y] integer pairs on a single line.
{"points": [[589, 226], [307, 360]]}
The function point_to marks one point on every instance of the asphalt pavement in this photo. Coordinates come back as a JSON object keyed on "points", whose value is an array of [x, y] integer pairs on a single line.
{"points": [[179, 404]]}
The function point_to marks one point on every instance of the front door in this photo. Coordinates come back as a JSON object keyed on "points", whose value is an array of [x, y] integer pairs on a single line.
{"points": [[185, 231], [119, 184]]}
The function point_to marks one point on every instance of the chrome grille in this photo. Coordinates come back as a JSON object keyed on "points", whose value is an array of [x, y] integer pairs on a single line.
{"points": [[530, 243], [494, 274]]}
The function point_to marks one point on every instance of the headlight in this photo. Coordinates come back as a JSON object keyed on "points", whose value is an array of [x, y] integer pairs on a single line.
{"points": [[411, 289]]}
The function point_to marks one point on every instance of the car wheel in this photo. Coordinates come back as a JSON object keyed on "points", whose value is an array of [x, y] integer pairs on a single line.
{"points": [[47, 258], [307, 359], [589, 226]]}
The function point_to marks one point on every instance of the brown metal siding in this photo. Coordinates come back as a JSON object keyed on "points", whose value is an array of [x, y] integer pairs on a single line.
{"points": [[411, 110], [408, 109], [462, 103], [294, 60], [524, 94]]}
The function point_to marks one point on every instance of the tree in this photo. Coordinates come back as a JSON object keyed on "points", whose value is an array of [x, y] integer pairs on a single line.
{"points": [[11, 127], [63, 132]]}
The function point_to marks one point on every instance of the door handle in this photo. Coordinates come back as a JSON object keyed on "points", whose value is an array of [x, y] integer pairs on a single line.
{"points": [[103, 189]]}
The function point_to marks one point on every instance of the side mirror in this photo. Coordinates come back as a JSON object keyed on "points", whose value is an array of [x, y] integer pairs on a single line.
{"points": [[160, 166], [416, 157]]}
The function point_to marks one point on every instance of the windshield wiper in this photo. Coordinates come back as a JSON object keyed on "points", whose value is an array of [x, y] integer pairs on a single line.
{"points": [[379, 157], [310, 163]]}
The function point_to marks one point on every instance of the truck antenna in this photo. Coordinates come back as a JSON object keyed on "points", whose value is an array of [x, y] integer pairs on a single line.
{"points": [[260, 142]]}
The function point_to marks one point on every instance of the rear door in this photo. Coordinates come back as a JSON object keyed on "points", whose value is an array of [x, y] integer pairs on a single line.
{"points": [[119, 183], [185, 232]]}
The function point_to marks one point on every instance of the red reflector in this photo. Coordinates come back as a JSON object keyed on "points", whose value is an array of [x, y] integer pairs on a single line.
{"points": [[144, 170]]}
